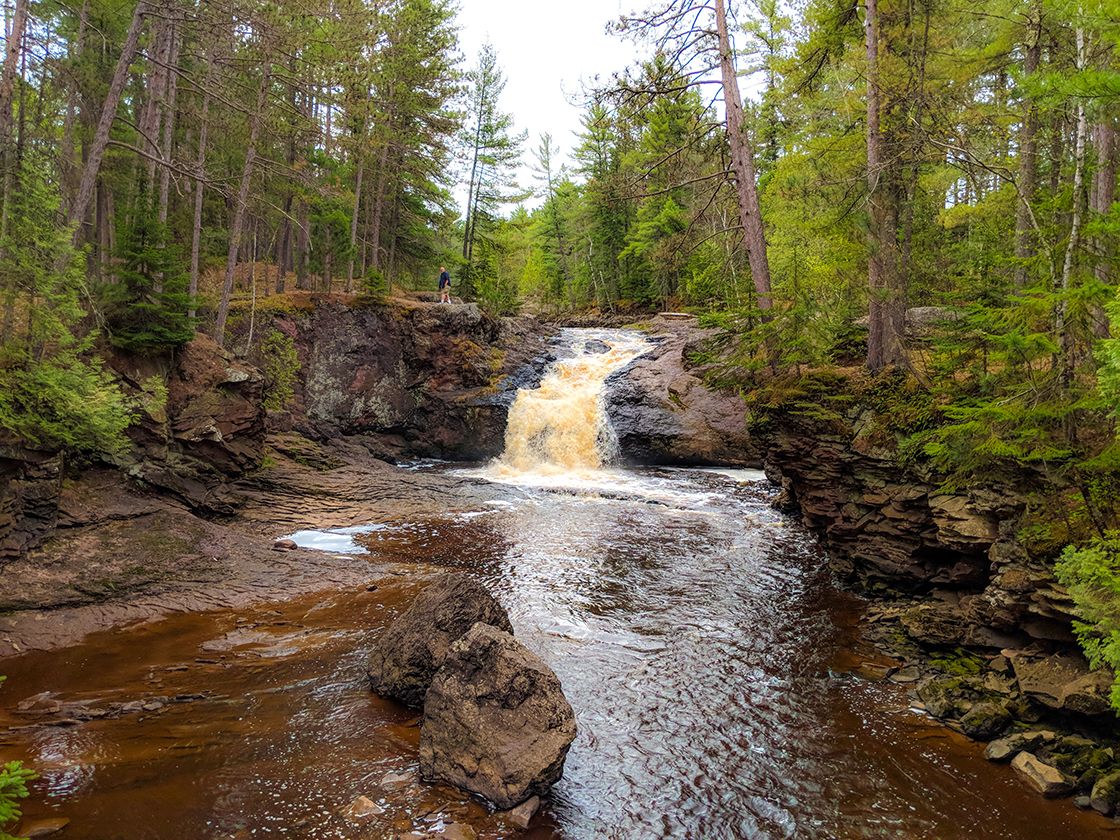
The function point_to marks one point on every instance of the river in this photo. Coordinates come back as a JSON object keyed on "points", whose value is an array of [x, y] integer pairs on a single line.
{"points": [[720, 686]]}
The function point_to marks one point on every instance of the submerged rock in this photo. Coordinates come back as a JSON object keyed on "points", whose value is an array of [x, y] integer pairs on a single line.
{"points": [[409, 653], [44, 828], [521, 815], [496, 721], [362, 808]]}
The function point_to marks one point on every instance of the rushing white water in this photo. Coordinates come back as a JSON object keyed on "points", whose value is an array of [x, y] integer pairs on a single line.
{"points": [[561, 428]]}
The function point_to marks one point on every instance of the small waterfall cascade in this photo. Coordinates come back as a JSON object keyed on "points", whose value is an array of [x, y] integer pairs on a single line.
{"points": [[562, 427]]}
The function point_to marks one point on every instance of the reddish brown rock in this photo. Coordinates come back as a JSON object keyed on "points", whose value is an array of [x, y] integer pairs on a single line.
{"points": [[408, 654], [496, 721]]}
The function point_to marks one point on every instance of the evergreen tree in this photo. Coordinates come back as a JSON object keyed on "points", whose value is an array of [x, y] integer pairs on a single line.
{"points": [[493, 154], [147, 310]]}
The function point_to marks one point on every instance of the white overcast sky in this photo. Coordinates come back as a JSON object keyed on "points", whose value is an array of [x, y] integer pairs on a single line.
{"points": [[545, 51]]}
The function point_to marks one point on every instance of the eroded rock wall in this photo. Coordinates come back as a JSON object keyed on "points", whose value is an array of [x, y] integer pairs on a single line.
{"points": [[664, 414], [413, 378], [407, 378]]}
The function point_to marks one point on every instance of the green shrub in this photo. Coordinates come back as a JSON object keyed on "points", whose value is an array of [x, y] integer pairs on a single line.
{"points": [[278, 359], [64, 401], [1092, 574]]}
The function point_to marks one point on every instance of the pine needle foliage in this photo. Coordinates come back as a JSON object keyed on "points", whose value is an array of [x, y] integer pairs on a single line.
{"points": [[54, 392], [147, 309], [13, 787]]}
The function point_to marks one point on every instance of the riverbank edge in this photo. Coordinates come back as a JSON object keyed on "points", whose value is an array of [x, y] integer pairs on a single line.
{"points": [[969, 610]]}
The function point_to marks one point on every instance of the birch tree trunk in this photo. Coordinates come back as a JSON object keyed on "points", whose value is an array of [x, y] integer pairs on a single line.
{"points": [[1065, 336], [742, 163]]}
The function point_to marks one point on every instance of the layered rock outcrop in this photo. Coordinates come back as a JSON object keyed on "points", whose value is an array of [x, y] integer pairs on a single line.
{"points": [[663, 413], [210, 429], [406, 378], [415, 378]]}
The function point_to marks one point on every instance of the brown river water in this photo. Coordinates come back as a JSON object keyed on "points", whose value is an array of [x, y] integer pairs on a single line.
{"points": [[719, 683]]}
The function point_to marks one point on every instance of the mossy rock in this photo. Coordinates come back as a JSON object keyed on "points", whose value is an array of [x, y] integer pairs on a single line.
{"points": [[1106, 794], [985, 721], [1076, 756], [950, 697], [960, 662], [1088, 779]]}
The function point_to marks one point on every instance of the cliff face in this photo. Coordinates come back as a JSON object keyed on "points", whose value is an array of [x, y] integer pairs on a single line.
{"points": [[413, 379], [664, 414], [891, 529], [210, 429], [404, 379]]}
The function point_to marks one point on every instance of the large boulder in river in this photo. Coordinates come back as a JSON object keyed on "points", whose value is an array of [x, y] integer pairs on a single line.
{"points": [[410, 652], [496, 721]]}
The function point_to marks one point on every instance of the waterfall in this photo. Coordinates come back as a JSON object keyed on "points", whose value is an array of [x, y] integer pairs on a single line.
{"points": [[562, 427]]}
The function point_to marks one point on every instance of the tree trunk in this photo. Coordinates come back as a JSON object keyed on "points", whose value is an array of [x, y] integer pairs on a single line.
{"points": [[14, 46], [328, 263], [1028, 153], [354, 224], [303, 246], [169, 124], [1065, 336], [378, 206], [104, 220], [884, 347], [157, 90], [742, 163], [1104, 193], [196, 231], [108, 115], [242, 203], [70, 165]]}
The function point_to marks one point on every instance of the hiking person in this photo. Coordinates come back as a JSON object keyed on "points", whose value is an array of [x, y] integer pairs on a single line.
{"points": [[444, 286]]}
